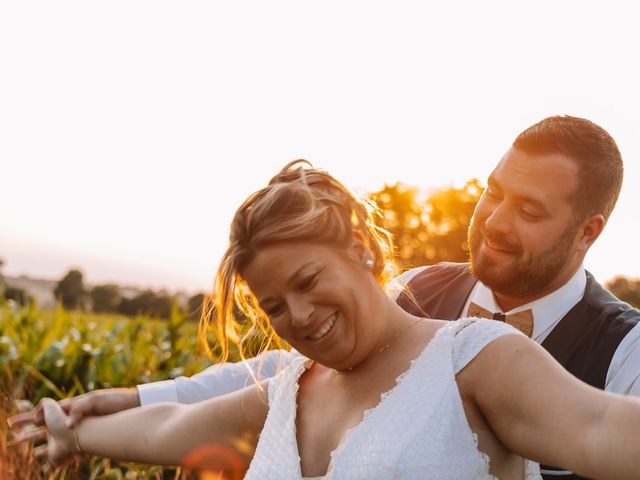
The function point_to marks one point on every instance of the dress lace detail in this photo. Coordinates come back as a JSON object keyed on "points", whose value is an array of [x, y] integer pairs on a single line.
{"points": [[418, 430]]}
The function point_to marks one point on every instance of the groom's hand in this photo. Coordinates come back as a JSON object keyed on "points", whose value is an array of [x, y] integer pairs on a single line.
{"points": [[98, 402]]}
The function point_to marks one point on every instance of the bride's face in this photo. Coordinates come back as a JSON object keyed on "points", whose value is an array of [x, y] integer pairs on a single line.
{"points": [[318, 298]]}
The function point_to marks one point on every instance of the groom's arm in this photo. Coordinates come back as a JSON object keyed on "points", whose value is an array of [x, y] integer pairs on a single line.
{"points": [[214, 381], [624, 371]]}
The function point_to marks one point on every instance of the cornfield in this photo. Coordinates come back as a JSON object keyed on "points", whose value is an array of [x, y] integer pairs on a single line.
{"points": [[60, 354]]}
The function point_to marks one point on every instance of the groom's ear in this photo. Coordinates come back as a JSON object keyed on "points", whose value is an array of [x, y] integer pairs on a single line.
{"points": [[590, 229]]}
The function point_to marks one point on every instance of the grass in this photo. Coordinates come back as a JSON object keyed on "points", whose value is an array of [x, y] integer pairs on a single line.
{"points": [[60, 354]]}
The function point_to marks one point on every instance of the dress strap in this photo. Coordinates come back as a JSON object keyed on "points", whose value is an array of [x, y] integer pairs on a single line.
{"points": [[473, 335]]}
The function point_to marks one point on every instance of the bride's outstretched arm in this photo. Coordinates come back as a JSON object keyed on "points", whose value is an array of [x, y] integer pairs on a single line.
{"points": [[542, 412], [162, 434]]}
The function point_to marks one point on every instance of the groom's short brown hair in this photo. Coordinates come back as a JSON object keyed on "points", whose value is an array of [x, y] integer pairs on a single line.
{"points": [[600, 169]]}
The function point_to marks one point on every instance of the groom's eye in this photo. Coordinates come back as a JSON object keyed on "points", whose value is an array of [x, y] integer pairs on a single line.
{"points": [[491, 193], [529, 215]]}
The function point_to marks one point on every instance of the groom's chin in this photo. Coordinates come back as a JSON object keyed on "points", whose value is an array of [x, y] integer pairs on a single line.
{"points": [[492, 273]]}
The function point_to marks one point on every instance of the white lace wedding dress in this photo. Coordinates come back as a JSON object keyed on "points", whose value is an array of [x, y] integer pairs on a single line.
{"points": [[418, 430]]}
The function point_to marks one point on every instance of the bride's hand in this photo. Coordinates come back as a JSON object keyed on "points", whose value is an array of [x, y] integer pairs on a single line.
{"points": [[61, 444]]}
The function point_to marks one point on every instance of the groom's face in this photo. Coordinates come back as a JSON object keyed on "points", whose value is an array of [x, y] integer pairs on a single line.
{"points": [[523, 233]]}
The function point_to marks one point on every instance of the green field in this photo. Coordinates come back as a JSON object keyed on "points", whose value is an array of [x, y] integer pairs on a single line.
{"points": [[60, 354]]}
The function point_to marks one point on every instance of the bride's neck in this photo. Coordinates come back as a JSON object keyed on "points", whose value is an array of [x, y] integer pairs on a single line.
{"points": [[388, 325]]}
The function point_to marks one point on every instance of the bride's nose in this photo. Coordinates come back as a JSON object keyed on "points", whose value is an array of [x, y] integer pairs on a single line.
{"points": [[301, 312]]}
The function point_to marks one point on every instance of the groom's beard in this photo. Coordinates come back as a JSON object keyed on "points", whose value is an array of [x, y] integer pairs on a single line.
{"points": [[520, 275]]}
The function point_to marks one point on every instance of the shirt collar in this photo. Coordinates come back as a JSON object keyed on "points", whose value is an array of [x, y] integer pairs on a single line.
{"points": [[546, 310]]}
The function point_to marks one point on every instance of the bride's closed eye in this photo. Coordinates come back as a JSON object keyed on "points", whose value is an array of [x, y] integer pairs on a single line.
{"points": [[308, 282], [274, 310], [305, 285]]}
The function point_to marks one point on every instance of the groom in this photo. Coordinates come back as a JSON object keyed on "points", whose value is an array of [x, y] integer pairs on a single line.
{"points": [[546, 202]]}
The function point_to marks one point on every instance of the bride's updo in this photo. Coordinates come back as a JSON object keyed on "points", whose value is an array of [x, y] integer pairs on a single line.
{"points": [[300, 204]]}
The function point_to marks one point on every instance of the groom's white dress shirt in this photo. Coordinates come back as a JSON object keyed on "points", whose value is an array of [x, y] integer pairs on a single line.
{"points": [[623, 375]]}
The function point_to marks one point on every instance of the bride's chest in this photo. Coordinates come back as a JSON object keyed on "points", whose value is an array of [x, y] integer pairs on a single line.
{"points": [[326, 411]]}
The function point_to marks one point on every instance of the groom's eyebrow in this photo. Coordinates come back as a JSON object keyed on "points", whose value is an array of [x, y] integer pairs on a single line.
{"points": [[534, 202]]}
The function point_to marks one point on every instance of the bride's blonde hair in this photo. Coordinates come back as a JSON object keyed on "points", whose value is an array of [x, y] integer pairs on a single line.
{"points": [[300, 204]]}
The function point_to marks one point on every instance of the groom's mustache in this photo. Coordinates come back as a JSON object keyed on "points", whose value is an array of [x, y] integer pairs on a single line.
{"points": [[501, 242]]}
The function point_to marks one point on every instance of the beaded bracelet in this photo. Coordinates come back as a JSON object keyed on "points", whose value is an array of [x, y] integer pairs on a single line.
{"points": [[75, 439]]}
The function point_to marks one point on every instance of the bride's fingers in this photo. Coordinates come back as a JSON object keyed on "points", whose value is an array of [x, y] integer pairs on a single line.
{"points": [[41, 451], [68, 403], [46, 470], [60, 437], [53, 414], [32, 435], [21, 419]]}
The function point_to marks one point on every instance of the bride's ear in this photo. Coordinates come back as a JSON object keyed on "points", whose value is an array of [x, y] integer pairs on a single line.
{"points": [[359, 251]]}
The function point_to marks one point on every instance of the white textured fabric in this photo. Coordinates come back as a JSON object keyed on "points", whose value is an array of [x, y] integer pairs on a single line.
{"points": [[418, 430]]}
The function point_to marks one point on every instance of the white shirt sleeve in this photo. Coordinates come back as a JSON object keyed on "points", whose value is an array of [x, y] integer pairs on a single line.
{"points": [[624, 371], [215, 380]]}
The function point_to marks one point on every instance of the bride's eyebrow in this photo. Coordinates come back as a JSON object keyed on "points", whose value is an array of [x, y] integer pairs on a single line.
{"points": [[296, 274], [290, 281]]}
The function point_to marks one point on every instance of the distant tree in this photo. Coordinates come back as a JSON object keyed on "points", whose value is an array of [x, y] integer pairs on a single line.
{"points": [[1, 276], [148, 303], [194, 306], [626, 289], [105, 298], [70, 290], [161, 306], [127, 307], [428, 228], [18, 295]]}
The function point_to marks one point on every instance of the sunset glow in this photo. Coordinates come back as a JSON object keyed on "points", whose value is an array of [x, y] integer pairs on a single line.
{"points": [[132, 131]]}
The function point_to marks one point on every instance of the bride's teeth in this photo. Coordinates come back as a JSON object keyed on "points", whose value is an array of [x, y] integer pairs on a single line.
{"points": [[324, 330]]}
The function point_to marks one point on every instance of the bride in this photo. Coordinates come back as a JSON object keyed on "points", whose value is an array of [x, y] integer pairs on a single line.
{"points": [[374, 391]]}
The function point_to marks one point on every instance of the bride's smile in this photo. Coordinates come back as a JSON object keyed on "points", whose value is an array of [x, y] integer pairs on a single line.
{"points": [[324, 329]]}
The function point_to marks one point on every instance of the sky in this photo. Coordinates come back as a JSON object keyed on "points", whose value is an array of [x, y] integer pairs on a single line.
{"points": [[131, 131]]}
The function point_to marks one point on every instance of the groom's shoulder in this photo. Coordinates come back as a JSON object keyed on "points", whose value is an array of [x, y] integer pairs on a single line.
{"points": [[438, 272], [432, 279], [604, 303]]}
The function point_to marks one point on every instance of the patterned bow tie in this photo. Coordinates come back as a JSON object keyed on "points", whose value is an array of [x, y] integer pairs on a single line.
{"points": [[523, 320]]}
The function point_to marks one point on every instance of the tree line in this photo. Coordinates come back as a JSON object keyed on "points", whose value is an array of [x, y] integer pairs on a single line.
{"points": [[427, 228], [72, 294]]}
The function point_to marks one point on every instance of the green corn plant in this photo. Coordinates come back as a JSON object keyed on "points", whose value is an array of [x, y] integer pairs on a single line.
{"points": [[60, 354]]}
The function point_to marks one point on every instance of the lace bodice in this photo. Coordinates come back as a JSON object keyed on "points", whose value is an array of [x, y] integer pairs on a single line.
{"points": [[418, 429]]}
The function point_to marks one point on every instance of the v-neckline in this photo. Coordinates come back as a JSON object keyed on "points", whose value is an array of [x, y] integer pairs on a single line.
{"points": [[344, 441]]}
